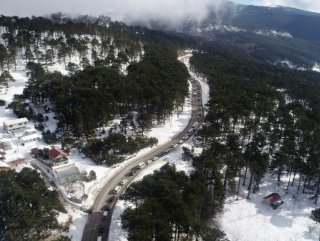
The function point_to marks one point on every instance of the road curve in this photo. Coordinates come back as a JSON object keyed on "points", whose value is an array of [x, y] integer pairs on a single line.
{"points": [[97, 225]]}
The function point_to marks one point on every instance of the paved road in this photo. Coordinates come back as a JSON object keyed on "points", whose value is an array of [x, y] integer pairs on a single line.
{"points": [[98, 225]]}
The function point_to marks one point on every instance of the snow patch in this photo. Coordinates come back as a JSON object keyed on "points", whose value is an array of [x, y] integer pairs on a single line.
{"points": [[252, 220]]}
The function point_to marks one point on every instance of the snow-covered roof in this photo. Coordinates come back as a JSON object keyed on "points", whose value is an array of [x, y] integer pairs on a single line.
{"points": [[56, 153], [15, 121], [66, 173], [30, 137], [3, 164]]}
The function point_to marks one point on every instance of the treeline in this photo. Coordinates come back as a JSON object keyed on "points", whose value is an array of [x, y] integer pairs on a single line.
{"points": [[261, 118], [112, 149], [169, 205], [28, 210]]}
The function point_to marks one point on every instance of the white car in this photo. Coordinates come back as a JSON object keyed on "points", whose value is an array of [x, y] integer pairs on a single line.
{"points": [[149, 162], [173, 145], [141, 165], [124, 181]]}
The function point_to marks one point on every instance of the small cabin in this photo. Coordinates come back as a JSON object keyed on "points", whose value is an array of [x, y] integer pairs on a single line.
{"points": [[4, 167], [57, 156], [5, 145], [274, 200]]}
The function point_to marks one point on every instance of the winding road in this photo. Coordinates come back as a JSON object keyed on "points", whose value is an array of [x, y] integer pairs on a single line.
{"points": [[98, 225]]}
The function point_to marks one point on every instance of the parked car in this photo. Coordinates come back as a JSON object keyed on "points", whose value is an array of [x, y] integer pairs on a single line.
{"points": [[141, 165], [116, 189], [124, 181]]}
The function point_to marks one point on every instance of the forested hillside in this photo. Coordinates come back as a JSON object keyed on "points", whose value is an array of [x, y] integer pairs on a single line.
{"points": [[28, 209], [88, 72], [261, 118], [178, 210]]}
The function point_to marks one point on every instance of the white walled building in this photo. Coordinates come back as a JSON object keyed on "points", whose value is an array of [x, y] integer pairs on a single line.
{"points": [[15, 125], [30, 138]]}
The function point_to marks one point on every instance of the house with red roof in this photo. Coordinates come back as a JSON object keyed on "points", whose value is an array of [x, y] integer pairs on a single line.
{"points": [[273, 199], [57, 156]]}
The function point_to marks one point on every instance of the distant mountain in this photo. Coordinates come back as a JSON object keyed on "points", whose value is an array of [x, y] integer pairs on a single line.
{"points": [[273, 34], [298, 23]]}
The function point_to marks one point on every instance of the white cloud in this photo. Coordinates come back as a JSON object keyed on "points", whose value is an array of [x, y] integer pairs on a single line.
{"points": [[310, 5], [129, 10]]}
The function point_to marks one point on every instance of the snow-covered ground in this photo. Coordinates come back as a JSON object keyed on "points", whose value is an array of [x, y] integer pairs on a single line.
{"points": [[316, 67], [253, 220]]}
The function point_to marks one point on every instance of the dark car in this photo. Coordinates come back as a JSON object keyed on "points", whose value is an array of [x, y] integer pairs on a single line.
{"points": [[111, 199], [107, 208], [101, 230]]}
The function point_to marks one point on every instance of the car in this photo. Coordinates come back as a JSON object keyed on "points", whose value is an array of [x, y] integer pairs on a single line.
{"points": [[101, 230], [190, 130], [148, 162], [89, 211], [105, 214], [111, 199], [124, 181], [155, 158], [107, 208], [161, 154], [141, 165], [181, 141], [173, 145], [132, 172], [116, 190], [185, 137]]}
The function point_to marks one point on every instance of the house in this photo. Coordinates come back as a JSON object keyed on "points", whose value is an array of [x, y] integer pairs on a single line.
{"points": [[5, 145], [57, 156], [17, 162], [30, 138], [36, 152], [4, 167], [15, 125], [66, 173], [274, 200]]}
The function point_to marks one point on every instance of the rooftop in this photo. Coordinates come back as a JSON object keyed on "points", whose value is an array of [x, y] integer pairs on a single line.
{"points": [[15, 121]]}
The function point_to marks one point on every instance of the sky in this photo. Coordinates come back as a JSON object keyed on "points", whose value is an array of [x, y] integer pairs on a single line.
{"points": [[135, 10]]}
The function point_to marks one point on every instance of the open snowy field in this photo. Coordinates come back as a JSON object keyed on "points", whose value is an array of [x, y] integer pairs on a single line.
{"points": [[253, 220]]}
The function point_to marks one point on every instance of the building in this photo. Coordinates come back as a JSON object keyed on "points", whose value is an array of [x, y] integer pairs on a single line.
{"points": [[57, 156], [30, 138], [36, 152], [4, 167], [17, 162], [66, 173], [15, 125], [5, 145], [274, 200]]}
